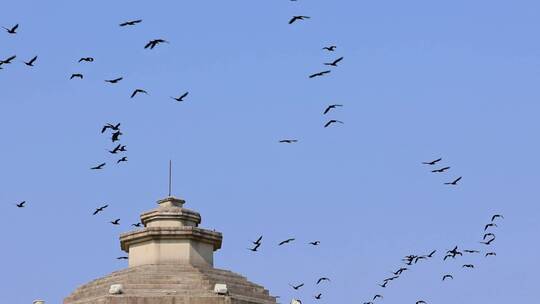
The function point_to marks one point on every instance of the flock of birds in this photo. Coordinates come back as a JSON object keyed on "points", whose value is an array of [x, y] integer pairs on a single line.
{"points": [[442, 170], [410, 260]]}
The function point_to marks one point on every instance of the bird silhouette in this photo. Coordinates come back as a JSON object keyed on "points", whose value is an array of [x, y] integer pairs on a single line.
{"points": [[319, 74], [488, 242], [76, 75], [330, 107], [100, 209], [86, 59], [471, 251], [123, 159], [21, 204], [122, 258], [116, 136], [322, 280], [8, 60], [330, 48], [390, 278], [446, 276], [421, 302], [383, 285], [12, 30], [115, 222], [116, 80], [110, 126], [296, 287], [258, 241], [377, 296], [489, 225], [441, 170], [255, 248], [133, 22], [454, 182], [31, 61], [490, 254], [488, 234], [295, 18], [332, 121], [137, 225], [98, 167], [468, 266], [138, 91], [116, 149], [400, 271], [433, 162], [318, 296], [335, 62], [285, 242], [496, 216], [288, 141], [153, 43], [316, 243], [181, 98]]}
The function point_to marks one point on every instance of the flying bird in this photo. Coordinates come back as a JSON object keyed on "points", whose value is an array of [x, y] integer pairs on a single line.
{"points": [[471, 251], [383, 285], [421, 302], [116, 149], [98, 210], [431, 163], [488, 242], [31, 62], [316, 243], [76, 75], [377, 296], [488, 234], [286, 241], [181, 98], [110, 126], [454, 182], [288, 141], [116, 136], [153, 43], [12, 30], [431, 254], [133, 22], [114, 80], [323, 279], [138, 91], [87, 59], [399, 271], [441, 170], [390, 278], [258, 241], [123, 159], [98, 167], [319, 74], [21, 204], [490, 253], [122, 258], [335, 62], [496, 216], [318, 296], [8, 60], [330, 48], [115, 222], [330, 107], [468, 266], [294, 18], [137, 225], [297, 286], [489, 225], [332, 122], [446, 276], [255, 248]]}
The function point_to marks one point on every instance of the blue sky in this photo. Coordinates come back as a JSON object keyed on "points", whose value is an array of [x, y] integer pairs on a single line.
{"points": [[419, 80]]}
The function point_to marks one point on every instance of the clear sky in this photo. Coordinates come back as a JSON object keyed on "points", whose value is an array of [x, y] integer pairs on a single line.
{"points": [[419, 80]]}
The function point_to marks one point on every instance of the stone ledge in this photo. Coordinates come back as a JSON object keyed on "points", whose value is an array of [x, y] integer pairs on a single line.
{"points": [[172, 233]]}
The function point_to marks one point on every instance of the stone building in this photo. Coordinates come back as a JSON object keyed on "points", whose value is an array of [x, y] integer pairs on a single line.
{"points": [[171, 262]]}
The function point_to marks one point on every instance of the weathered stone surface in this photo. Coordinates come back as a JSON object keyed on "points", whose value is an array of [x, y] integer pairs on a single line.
{"points": [[174, 284]]}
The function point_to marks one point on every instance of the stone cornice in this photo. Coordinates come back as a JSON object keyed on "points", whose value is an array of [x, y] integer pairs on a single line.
{"points": [[172, 233]]}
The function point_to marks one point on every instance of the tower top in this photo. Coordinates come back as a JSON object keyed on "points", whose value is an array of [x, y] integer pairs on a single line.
{"points": [[171, 236]]}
